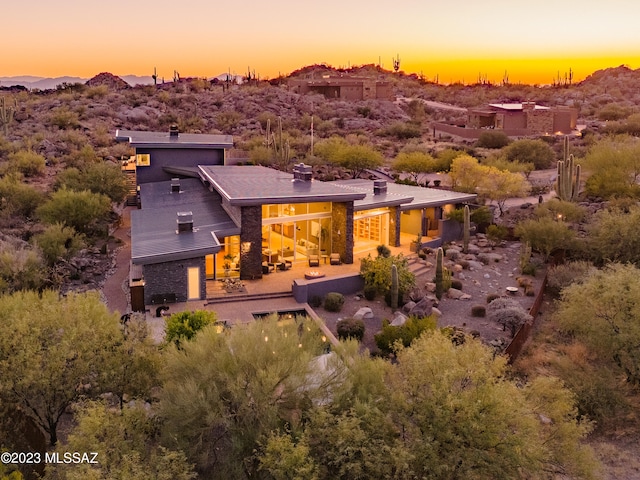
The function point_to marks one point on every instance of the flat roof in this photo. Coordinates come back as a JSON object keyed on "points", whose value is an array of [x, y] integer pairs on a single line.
{"points": [[406, 197], [255, 185], [515, 106], [138, 138], [154, 236]]}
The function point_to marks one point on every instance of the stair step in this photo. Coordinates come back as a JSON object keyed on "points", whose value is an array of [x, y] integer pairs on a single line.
{"points": [[230, 297]]}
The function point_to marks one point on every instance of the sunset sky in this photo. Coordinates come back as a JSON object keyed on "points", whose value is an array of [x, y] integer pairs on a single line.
{"points": [[454, 39]]}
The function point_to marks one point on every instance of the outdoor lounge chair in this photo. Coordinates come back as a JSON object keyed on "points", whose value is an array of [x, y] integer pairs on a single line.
{"points": [[267, 267], [314, 260], [334, 259], [284, 265]]}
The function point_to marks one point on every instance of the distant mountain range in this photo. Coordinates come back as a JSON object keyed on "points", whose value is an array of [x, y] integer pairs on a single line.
{"points": [[41, 83]]}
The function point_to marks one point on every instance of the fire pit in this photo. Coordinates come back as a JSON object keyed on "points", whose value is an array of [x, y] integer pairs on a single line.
{"points": [[311, 274]]}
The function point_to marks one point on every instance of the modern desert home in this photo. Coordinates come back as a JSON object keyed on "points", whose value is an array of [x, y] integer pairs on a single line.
{"points": [[515, 119], [212, 221], [344, 87]]}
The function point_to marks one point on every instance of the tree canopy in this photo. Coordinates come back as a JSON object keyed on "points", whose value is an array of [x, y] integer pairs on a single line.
{"points": [[613, 165], [537, 152], [414, 163], [55, 353], [353, 156]]}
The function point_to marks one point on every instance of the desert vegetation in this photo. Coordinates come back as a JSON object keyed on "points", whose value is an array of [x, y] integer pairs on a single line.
{"points": [[253, 402]]}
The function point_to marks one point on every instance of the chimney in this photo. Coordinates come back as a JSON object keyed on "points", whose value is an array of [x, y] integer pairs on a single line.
{"points": [[173, 131], [185, 222], [302, 173], [379, 187], [175, 185]]}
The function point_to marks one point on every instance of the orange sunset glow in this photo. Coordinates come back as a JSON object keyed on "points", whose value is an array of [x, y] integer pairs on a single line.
{"points": [[451, 41]]}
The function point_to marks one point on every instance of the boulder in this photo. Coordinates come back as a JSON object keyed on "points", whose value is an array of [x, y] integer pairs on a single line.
{"points": [[399, 319], [362, 313], [408, 306], [457, 294], [436, 312], [475, 265]]}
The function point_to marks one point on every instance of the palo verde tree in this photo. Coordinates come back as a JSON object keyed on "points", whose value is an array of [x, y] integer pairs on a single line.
{"points": [[55, 354], [126, 443], [224, 392], [414, 163], [602, 311], [355, 157]]}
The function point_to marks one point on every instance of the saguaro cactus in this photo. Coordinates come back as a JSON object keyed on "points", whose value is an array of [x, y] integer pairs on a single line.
{"points": [[394, 287], [467, 228], [568, 181], [439, 273], [6, 114]]}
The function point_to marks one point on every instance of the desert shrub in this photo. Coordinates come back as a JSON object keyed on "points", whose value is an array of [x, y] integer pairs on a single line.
{"points": [[496, 234], [383, 251], [350, 328], [104, 178], [491, 297], [64, 119], [481, 216], [405, 334], [18, 198], [524, 282], [402, 130], [227, 121], [508, 313], [26, 162], [21, 266], [58, 241], [529, 268], [546, 235], [333, 302], [185, 325], [80, 210], [377, 273], [455, 283], [315, 301], [478, 311], [464, 264], [370, 292], [529, 291], [563, 275], [492, 139], [560, 210], [527, 150]]}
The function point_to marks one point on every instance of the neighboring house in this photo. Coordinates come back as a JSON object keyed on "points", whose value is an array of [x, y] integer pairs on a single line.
{"points": [[344, 88], [220, 221], [515, 119]]}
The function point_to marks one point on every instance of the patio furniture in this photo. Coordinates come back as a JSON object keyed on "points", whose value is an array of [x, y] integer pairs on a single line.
{"points": [[285, 265], [267, 267], [314, 260], [334, 259]]}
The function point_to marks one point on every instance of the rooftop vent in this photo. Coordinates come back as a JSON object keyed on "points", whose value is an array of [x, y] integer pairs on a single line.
{"points": [[302, 173], [173, 131], [185, 222], [175, 185], [379, 187]]}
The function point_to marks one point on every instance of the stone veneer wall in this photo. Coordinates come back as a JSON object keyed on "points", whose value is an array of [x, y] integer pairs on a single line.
{"points": [[540, 121], [251, 242], [171, 278], [342, 221], [394, 226]]}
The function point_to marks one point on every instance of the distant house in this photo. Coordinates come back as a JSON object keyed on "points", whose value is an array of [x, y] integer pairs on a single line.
{"points": [[344, 88], [515, 120]]}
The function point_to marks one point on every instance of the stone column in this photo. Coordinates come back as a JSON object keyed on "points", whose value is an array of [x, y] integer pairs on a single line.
{"points": [[342, 230], [394, 226], [251, 242]]}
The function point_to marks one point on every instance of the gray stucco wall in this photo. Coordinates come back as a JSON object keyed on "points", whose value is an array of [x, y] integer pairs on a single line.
{"points": [[346, 284], [171, 278], [182, 157]]}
